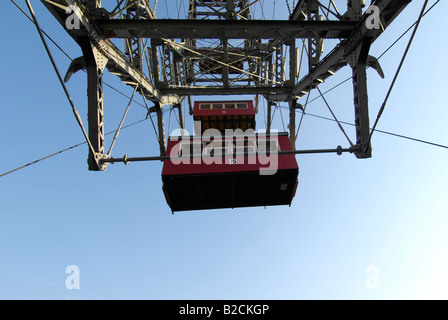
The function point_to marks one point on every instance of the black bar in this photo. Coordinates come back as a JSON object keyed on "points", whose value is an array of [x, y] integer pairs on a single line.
{"points": [[251, 309]]}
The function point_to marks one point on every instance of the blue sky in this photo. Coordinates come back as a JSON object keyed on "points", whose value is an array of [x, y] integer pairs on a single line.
{"points": [[348, 214]]}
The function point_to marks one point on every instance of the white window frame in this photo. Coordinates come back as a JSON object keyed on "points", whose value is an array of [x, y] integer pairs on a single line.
{"points": [[245, 103]]}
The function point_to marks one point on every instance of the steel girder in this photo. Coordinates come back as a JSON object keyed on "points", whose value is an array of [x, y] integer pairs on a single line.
{"points": [[118, 63], [220, 29], [354, 51], [100, 52], [349, 48]]}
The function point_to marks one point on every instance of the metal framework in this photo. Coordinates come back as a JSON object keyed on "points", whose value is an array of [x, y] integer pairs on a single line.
{"points": [[220, 50]]}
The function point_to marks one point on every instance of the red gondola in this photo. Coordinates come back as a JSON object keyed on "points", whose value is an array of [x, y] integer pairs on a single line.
{"points": [[240, 169]]}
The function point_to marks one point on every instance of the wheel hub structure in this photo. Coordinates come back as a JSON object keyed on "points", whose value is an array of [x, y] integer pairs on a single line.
{"points": [[220, 48]]}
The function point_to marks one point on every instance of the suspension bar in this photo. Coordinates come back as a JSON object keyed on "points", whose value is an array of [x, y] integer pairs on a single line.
{"points": [[126, 159]]}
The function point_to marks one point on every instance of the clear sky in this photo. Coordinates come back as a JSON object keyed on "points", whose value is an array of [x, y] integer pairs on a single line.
{"points": [[357, 229]]}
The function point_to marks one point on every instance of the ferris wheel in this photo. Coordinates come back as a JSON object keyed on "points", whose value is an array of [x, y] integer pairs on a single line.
{"points": [[223, 48]]}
